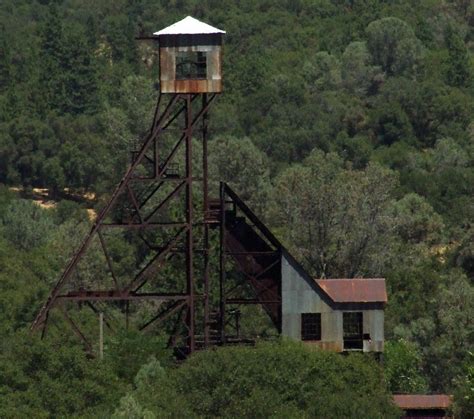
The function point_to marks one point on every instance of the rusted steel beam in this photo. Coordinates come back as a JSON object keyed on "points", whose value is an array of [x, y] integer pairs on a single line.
{"points": [[270, 253], [163, 315], [174, 334], [134, 202], [151, 194], [85, 244], [156, 114], [45, 326], [107, 257], [275, 263], [189, 220], [180, 111], [140, 278], [163, 179], [144, 225], [76, 329], [183, 237], [194, 121], [222, 262], [119, 296], [205, 188], [164, 201], [170, 157]]}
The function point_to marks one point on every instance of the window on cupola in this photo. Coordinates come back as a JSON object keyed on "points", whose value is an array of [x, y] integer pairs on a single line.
{"points": [[191, 65]]}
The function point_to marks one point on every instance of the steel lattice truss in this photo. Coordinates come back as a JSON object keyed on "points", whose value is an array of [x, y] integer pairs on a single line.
{"points": [[162, 207], [154, 181]]}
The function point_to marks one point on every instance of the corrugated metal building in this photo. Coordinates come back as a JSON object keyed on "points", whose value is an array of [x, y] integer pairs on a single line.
{"points": [[334, 314]]}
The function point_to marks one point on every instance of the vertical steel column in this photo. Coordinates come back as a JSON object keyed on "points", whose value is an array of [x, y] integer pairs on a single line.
{"points": [[222, 261], [205, 188], [189, 222]]}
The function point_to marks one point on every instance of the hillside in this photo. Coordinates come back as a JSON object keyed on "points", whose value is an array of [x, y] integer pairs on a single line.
{"points": [[346, 125]]}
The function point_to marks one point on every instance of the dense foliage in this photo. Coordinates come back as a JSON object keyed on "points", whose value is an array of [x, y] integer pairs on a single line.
{"points": [[271, 380], [347, 125]]}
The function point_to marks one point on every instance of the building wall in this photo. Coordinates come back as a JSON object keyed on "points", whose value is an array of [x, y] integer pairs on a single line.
{"points": [[300, 295], [213, 81]]}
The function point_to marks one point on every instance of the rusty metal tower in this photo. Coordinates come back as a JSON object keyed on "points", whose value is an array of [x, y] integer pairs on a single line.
{"points": [[155, 203]]}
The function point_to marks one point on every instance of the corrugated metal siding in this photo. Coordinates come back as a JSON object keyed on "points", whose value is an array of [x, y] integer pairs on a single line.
{"points": [[213, 81], [298, 296]]}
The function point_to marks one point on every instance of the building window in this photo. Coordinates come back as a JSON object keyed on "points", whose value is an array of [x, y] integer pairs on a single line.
{"points": [[311, 326], [191, 65], [353, 335]]}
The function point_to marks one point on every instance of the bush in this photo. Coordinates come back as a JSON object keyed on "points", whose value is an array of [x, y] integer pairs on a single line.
{"points": [[271, 380]]}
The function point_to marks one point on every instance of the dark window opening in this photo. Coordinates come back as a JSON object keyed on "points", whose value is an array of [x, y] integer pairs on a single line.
{"points": [[311, 326], [352, 325], [191, 65]]}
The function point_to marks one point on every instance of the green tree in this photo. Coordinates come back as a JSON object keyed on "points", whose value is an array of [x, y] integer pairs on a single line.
{"points": [[53, 176], [358, 74], [238, 162], [5, 60], [277, 380], [464, 395], [393, 46], [26, 225], [417, 222], [403, 367], [335, 219], [52, 52], [43, 379], [81, 82], [322, 72], [458, 68]]}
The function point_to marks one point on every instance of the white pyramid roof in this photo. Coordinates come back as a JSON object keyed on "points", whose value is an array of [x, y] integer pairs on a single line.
{"points": [[189, 26]]}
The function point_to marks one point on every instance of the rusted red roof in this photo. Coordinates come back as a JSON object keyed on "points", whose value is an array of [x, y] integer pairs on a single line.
{"points": [[355, 290], [418, 401]]}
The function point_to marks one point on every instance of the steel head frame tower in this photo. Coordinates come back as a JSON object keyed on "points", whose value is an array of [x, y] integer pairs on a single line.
{"points": [[190, 79]]}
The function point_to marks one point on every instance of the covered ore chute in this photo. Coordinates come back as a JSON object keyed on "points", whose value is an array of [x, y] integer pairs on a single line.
{"points": [[190, 57]]}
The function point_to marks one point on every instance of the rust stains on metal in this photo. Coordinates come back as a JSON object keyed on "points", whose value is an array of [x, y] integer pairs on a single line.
{"points": [[355, 290], [326, 346], [422, 401]]}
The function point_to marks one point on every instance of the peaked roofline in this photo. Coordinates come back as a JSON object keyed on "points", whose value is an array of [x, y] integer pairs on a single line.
{"points": [[189, 26]]}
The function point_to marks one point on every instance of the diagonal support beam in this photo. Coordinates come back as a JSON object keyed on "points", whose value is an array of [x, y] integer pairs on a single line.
{"points": [[86, 243], [151, 266], [107, 257], [165, 201], [180, 141], [162, 316], [136, 207], [76, 329]]}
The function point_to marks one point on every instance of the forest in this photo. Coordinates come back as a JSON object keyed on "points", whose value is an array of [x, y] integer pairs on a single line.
{"points": [[347, 125]]}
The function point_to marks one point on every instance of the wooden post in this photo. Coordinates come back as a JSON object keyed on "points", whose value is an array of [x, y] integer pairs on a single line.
{"points": [[101, 335]]}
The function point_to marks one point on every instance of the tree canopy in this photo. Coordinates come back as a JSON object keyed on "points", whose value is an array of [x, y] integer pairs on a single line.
{"points": [[346, 125]]}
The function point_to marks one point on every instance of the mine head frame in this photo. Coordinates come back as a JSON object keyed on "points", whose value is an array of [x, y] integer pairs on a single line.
{"points": [[152, 171]]}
